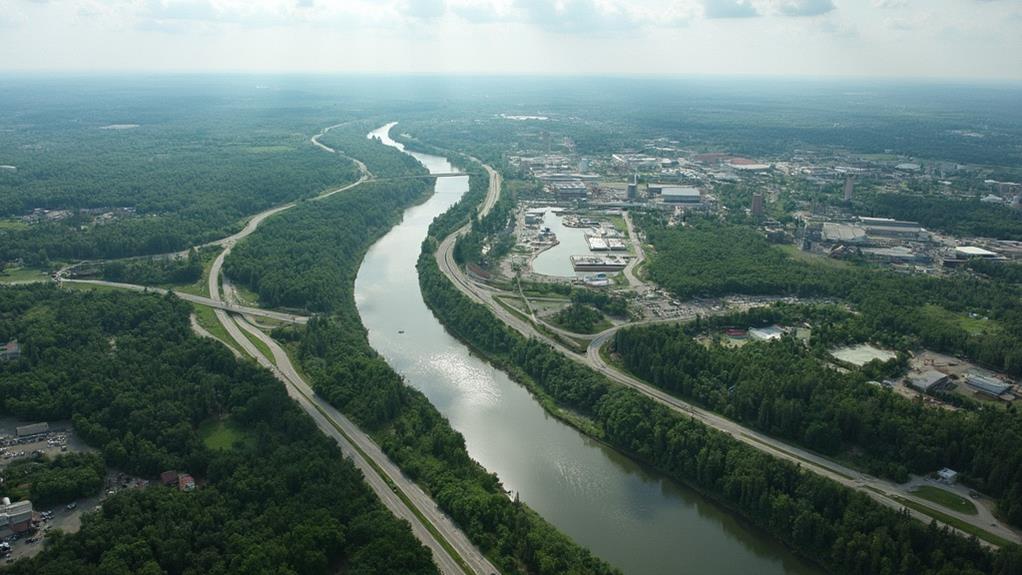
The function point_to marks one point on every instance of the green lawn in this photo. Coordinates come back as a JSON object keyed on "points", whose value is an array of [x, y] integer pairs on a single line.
{"points": [[12, 224], [946, 498], [972, 325], [221, 435], [23, 275]]}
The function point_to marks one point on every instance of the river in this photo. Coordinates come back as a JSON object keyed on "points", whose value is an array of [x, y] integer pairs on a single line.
{"points": [[637, 520]]}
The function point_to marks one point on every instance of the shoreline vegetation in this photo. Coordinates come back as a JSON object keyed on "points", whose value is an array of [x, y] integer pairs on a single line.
{"points": [[314, 253], [831, 525]]}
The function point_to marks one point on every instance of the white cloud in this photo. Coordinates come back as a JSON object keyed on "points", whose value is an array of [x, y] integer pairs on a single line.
{"points": [[729, 9], [875, 37], [805, 7]]}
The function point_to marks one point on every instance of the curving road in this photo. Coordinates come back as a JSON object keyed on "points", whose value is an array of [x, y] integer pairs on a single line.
{"points": [[880, 490]]}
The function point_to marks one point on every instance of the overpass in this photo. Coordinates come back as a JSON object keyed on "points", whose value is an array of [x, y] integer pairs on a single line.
{"points": [[201, 300]]}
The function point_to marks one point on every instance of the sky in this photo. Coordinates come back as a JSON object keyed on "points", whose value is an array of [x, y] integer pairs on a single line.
{"points": [[953, 39]]}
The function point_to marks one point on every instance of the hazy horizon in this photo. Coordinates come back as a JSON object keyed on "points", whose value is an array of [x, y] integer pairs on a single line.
{"points": [[866, 39]]}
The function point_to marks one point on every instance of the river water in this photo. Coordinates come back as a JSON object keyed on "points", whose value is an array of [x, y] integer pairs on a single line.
{"points": [[638, 521]]}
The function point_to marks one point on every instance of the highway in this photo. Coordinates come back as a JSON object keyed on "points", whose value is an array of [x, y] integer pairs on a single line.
{"points": [[254, 311], [880, 490]]}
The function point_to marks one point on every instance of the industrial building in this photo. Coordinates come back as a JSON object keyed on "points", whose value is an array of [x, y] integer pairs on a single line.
{"points": [[569, 190], [895, 255], [970, 252], [928, 381], [15, 517], [843, 233], [889, 228], [987, 385], [681, 195], [32, 429]]}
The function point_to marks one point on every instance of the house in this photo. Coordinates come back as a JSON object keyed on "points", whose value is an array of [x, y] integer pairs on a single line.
{"points": [[168, 477], [185, 482], [947, 476], [10, 351]]}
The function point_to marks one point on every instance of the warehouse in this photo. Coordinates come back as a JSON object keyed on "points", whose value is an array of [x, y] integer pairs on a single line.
{"points": [[570, 190], [681, 195], [987, 385], [928, 381]]}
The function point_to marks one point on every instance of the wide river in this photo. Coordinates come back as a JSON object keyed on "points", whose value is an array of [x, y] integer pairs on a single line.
{"points": [[637, 520]]}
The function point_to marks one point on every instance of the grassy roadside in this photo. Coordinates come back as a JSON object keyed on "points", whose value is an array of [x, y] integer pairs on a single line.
{"points": [[946, 498], [206, 317], [953, 522]]}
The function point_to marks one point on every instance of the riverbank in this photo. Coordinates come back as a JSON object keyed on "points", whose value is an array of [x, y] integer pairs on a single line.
{"points": [[582, 391], [311, 257]]}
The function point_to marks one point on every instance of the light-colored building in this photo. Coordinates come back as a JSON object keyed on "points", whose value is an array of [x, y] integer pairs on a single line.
{"points": [[768, 333], [947, 476], [975, 252], [681, 195], [843, 233], [927, 381], [15, 517]]}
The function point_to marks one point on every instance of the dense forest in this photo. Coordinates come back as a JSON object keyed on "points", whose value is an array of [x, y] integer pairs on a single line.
{"points": [[127, 371], [308, 257], [153, 271], [190, 162], [728, 259], [785, 389], [580, 318], [51, 481], [960, 217], [842, 529]]}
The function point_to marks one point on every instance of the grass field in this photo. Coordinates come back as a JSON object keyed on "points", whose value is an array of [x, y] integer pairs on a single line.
{"points": [[946, 498], [221, 434], [972, 325], [12, 224], [23, 275]]}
